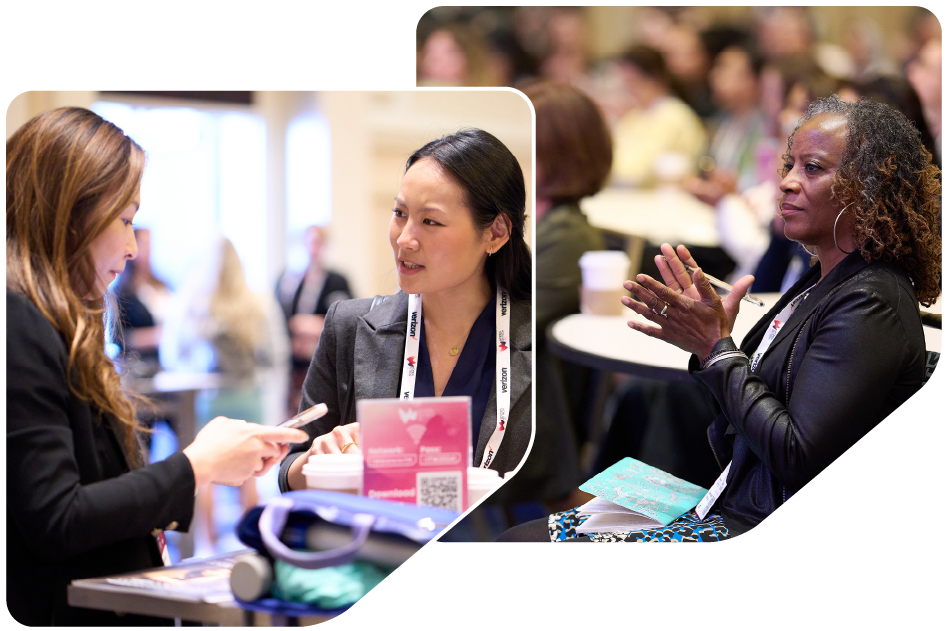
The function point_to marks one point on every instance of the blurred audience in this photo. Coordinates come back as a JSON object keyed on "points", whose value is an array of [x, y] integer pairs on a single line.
{"points": [[305, 297], [924, 72], [659, 124], [215, 323]]}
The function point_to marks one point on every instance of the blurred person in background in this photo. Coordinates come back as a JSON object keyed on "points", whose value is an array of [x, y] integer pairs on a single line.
{"points": [[736, 88], [924, 72], [305, 297], [659, 123], [143, 301], [688, 61], [215, 323], [453, 55], [863, 41], [81, 502], [899, 93], [783, 32], [748, 228], [567, 58], [574, 152], [457, 238]]}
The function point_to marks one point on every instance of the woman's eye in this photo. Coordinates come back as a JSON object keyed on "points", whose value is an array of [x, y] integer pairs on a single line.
{"points": [[127, 222], [810, 167], [398, 213], [430, 222]]}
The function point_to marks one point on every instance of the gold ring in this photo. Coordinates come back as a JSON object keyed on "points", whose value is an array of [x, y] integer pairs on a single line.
{"points": [[346, 446]]}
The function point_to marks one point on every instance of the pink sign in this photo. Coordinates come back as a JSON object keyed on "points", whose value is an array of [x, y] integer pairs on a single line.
{"points": [[416, 451]]}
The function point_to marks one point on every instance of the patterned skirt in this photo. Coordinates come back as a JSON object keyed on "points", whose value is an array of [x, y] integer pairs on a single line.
{"points": [[688, 527]]}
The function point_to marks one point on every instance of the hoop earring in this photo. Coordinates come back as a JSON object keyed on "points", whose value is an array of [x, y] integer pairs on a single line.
{"points": [[835, 228], [804, 247]]}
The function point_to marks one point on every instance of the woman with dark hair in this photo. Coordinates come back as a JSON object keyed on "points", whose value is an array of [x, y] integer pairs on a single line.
{"points": [[457, 235], [841, 349], [660, 123], [80, 500]]}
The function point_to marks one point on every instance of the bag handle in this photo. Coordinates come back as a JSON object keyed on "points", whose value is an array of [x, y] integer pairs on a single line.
{"points": [[274, 518]]}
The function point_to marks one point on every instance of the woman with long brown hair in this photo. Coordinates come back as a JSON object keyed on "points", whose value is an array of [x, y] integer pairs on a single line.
{"points": [[80, 500]]}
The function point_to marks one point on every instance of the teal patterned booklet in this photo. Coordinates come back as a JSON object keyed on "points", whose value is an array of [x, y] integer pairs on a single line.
{"points": [[631, 495]]}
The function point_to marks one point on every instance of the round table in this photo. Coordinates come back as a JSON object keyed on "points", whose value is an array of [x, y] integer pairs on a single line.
{"points": [[607, 343]]}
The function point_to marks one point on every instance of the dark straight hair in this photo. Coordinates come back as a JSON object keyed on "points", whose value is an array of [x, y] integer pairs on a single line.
{"points": [[493, 184]]}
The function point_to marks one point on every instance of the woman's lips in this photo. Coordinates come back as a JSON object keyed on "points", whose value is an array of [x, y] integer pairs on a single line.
{"points": [[789, 209], [408, 268]]}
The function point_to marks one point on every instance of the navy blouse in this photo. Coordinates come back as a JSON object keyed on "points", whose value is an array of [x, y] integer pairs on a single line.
{"points": [[473, 374]]}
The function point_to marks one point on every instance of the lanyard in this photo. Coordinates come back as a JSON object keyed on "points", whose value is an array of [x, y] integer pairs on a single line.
{"points": [[703, 507], [502, 364]]}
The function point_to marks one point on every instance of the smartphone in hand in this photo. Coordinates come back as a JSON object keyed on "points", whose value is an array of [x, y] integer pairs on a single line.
{"points": [[306, 416]]}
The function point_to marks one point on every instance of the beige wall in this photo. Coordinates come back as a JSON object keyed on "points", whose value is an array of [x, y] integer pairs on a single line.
{"points": [[373, 133]]}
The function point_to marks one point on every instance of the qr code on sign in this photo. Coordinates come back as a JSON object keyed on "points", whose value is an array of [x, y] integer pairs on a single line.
{"points": [[441, 489]]}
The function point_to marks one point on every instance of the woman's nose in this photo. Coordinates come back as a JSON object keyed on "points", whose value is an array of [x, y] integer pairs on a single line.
{"points": [[407, 239], [131, 247], [790, 182]]}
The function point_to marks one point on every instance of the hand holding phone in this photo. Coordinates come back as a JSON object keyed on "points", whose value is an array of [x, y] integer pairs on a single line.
{"points": [[306, 416]]}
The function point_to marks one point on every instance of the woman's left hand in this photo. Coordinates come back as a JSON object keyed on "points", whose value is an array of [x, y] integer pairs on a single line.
{"points": [[694, 318]]}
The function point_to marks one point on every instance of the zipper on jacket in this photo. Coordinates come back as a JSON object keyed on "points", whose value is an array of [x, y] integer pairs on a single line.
{"points": [[787, 388]]}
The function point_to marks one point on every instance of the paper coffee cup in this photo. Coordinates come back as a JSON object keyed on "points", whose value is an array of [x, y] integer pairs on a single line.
{"points": [[481, 482], [334, 472], [602, 301], [604, 269]]}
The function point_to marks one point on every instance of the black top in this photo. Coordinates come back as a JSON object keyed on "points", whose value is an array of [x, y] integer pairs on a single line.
{"points": [[474, 373], [851, 353], [74, 509]]}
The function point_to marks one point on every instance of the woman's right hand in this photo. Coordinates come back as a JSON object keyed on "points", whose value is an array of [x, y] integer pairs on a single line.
{"points": [[329, 443], [230, 451], [333, 442]]}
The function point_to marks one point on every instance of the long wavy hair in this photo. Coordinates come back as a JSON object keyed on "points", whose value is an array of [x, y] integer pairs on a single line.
{"points": [[223, 311], [69, 175], [895, 190]]}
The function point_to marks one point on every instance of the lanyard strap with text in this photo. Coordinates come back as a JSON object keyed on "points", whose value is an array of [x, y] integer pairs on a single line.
{"points": [[502, 365]]}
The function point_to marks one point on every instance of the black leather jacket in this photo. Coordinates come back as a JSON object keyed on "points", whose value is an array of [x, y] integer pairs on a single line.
{"points": [[848, 356]]}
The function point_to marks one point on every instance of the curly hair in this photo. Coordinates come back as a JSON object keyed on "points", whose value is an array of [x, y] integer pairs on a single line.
{"points": [[888, 176]]}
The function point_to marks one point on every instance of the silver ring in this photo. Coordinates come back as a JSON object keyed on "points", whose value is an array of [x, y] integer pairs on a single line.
{"points": [[663, 312]]}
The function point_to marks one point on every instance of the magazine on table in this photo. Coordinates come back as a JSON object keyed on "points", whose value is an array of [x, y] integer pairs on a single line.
{"points": [[631, 495], [201, 580]]}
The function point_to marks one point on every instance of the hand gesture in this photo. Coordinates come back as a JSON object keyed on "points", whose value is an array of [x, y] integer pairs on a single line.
{"points": [[229, 451], [689, 311]]}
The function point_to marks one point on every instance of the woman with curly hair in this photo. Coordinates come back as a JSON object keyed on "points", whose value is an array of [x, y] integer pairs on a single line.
{"points": [[841, 349]]}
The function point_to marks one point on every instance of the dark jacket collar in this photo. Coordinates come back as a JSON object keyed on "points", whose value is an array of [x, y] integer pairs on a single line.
{"points": [[851, 264], [381, 334]]}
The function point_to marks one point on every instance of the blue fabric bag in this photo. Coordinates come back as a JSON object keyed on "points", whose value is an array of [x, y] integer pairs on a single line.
{"points": [[318, 529]]}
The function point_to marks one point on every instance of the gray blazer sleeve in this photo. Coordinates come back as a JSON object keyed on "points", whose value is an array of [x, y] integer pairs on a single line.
{"points": [[329, 379]]}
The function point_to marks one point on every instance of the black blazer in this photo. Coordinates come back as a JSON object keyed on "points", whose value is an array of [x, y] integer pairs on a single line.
{"points": [[360, 357], [849, 355], [73, 508]]}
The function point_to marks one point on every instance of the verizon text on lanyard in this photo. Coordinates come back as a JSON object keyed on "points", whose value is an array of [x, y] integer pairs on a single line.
{"points": [[502, 365]]}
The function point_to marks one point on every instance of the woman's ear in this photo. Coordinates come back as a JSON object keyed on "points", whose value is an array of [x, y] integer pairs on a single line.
{"points": [[498, 233]]}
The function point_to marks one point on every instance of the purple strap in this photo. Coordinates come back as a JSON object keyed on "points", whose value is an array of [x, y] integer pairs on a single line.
{"points": [[274, 518]]}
